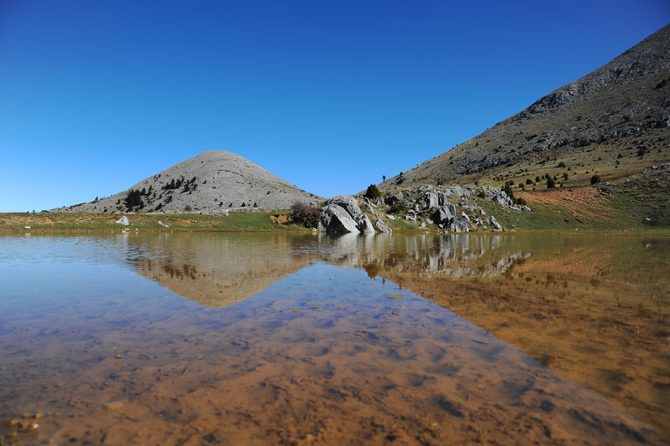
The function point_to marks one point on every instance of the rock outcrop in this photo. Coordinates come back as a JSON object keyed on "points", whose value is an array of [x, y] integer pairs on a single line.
{"points": [[335, 218]]}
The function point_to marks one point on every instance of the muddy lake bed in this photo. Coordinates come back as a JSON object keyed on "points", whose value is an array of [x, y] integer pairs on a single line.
{"points": [[215, 338]]}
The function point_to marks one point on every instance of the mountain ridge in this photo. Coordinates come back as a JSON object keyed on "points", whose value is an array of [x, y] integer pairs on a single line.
{"points": [[627, 98], [211, 182]]}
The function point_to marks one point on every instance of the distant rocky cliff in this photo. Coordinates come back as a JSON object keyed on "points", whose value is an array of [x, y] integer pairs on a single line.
{"points": [[212, 182]]}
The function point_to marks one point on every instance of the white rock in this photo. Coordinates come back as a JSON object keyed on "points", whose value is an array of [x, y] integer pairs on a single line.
{"points": [[123, 221], [162, 224]]}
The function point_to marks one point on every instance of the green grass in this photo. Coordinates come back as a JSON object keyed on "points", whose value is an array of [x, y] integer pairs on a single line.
{"points": [[545, 219], [234, 222]]}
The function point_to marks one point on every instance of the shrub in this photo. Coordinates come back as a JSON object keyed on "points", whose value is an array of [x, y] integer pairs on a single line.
{"points": [[188, 208], [304, 215], [373, 192], [399, 207], [551, 183], [595, 179], [521, 202], [481, 194], [529, 182]]}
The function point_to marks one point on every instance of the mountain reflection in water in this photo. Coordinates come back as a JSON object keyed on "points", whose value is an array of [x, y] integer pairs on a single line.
{"points": [[292, 339]]}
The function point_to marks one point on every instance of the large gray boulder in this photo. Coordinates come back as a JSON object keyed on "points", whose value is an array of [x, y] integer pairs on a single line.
{"points": [[381, 227], [365, 225], [335, 218], [494, 223], [460, 225], [123, 221], [349, 203], [393, 199], [431, 201], [445, 214]]}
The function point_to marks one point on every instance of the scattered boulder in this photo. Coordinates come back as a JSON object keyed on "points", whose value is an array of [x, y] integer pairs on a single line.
{"points": [[123, 221], [494, 223], [431, 201], [381, 227], [445, 214], [367, 208], [460, 225], [162, 224], [365, 225], [392, 199]]}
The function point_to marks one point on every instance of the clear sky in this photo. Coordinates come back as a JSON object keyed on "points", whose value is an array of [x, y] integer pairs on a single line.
{"points": [[328, 95]]}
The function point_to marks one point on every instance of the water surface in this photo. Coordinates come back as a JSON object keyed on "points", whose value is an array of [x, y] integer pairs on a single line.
{"points": [[279, 338]]}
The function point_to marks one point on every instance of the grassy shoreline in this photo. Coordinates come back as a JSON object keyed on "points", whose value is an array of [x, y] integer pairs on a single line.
{"points": [[637, 208]]}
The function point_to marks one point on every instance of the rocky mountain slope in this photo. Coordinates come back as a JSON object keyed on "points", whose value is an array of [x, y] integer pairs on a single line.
{"points": [[620, 111], [211, 182]]}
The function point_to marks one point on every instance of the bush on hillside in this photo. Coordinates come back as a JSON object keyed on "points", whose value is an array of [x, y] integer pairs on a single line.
{"points": [[595, 179], [399, 207], [551, 183], [304, 215], [373, 192]]}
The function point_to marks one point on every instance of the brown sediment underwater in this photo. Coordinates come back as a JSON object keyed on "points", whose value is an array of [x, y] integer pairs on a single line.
{"points": [[320, 356]]}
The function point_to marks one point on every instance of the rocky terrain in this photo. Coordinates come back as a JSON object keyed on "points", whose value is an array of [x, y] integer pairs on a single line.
{"points": [[613, 121], [448, 208], [213, 182]]}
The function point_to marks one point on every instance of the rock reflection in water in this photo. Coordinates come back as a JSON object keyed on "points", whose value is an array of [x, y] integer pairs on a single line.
{"points": [[597, 310]]}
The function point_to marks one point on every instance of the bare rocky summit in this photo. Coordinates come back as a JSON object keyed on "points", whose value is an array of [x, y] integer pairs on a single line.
{"points": [[212, 182], [621, 110]]}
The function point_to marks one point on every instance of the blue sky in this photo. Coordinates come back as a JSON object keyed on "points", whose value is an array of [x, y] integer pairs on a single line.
{"points": [[98, 95]]}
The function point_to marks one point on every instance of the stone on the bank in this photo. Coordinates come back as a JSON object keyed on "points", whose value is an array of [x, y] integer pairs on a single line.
{"points": [[460, 225], [162, 224], [335, 218], [123, 221], [494, 223], [381, 227], [348, 203], [365, 225]]}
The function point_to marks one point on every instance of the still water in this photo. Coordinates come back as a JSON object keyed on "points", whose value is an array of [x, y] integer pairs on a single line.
{"points": [[311, 339]]}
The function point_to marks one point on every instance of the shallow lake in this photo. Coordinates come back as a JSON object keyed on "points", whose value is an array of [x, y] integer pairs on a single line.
{"points": [[202, 338]]}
